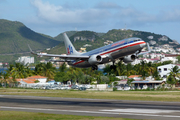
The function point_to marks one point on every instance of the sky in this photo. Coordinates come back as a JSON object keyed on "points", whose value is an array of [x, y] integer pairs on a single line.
{"points": [[53, 17]]}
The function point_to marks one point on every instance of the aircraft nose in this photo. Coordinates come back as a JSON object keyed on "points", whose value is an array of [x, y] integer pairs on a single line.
{"points": [[142, 45]]}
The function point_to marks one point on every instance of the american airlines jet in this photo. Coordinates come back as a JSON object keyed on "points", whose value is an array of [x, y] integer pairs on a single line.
{"points": [[126, 50]]}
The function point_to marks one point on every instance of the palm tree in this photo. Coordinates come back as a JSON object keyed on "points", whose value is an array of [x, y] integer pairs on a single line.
{"points": [[6, 79], [45, 70], [63, 67], [143, 69], [19, 71], [174, 74], [120, 68]]}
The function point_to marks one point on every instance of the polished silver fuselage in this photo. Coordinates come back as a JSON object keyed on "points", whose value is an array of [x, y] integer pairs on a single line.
{"points": [[112, 52]]}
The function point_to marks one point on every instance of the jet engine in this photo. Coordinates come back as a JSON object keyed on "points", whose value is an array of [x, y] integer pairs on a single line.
{"points": [[129, 58], [94, 59]]}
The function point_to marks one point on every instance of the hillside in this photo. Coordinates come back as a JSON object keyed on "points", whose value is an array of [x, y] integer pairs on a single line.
{"points": [[115, 35], [14, 37], [60, 36], [79, 39]]}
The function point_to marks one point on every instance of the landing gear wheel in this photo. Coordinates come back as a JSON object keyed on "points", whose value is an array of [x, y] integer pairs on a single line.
{"points": [[113, 67], [95, 67]]}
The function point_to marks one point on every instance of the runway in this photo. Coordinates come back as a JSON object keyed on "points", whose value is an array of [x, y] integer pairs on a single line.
{"points": [[92, 107]]}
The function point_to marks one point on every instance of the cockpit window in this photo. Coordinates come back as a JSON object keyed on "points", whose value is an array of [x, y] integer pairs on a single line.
{"points": [[137, 40]]}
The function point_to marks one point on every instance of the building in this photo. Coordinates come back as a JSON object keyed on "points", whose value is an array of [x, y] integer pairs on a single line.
{"points": [[164, 70], [41, 79], [173, 59], [135, 77], [147, 84], [25, 60], [32, 79]]}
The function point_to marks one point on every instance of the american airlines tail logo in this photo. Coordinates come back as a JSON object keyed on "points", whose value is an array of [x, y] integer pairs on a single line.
{"points": [[70, 49]]}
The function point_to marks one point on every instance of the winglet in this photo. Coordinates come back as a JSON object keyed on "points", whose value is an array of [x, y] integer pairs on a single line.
{"points": [[31, 50], [148, 48]]}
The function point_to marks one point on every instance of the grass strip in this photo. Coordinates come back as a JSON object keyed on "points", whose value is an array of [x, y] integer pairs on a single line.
{"points": [[173, 96], [16, 115]]}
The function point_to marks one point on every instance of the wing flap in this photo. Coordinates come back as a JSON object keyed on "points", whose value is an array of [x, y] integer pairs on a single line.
{"points": [[66, 57]]}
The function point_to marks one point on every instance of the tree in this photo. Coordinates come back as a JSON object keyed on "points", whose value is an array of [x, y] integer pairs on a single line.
{"points": [[19, 71], [178, 57], [63, 67], [45, 70], [6, 79], [61, 77], [104, 79], [120, 68], [172, 79], [129, 81], [143, 70]]}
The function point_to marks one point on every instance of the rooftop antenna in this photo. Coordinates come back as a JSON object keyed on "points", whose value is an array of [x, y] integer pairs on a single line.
{"points": [[125, 26], [75, 29]]}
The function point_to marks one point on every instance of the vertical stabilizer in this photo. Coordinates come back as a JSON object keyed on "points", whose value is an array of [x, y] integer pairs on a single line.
{"points": [[70, 50]]}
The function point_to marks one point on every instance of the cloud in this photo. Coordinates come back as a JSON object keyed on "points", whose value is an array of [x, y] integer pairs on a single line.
{"points": [[59, 14], [107, 15], [107, 5], [172, 15]]}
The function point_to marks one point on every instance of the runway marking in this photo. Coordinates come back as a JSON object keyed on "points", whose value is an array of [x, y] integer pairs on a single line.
{"points": [[93, 112], [131, 110]]}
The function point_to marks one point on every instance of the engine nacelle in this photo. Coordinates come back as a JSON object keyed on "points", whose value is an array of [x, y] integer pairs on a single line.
{"points": [[129, 58], [94, 59]]}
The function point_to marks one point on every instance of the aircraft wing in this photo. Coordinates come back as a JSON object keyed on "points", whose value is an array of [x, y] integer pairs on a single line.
{"points": [[66, 57], [149, 50]]}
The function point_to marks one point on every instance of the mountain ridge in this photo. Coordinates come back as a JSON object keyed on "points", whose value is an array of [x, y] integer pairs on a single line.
{"points": [[14, 37]]}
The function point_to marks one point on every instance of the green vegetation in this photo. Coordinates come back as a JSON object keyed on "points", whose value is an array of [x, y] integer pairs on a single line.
{"points": [[61, 38], [172, 96], [14, 37], [99, 39], [16, 115], [83, 75], [144, 69]]}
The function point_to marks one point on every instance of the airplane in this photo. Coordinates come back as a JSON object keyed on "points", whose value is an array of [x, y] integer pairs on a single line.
{"points": [[126, 50]]}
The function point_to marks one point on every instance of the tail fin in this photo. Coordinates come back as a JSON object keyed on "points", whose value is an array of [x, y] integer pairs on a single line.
{"points": [[70, 50]]}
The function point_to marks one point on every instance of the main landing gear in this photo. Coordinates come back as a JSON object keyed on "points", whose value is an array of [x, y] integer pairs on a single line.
{"points": [[113, 67], [94, 67]]}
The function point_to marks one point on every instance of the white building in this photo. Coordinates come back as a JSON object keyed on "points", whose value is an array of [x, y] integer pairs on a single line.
{"points": [[41, 79], [153, 55], [173, 59], [25, 60], [164, 70]]}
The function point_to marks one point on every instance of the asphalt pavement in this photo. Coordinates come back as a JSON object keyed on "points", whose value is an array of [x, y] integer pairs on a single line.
{"points": [[92, 107]]}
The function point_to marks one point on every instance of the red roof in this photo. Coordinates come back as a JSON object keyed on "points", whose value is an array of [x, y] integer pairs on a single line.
{"points": [[133, 76], [36, 77], [26, 80]]}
